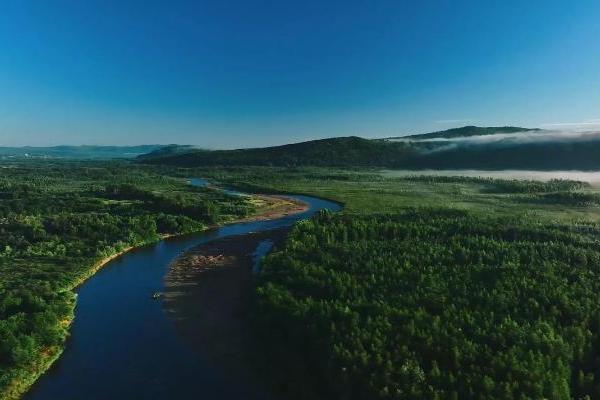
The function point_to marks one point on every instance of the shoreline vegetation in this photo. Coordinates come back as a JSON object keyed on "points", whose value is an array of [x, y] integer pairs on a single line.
{"points": [[21, 385], [30, 375], [62, 221], [268, 207]]}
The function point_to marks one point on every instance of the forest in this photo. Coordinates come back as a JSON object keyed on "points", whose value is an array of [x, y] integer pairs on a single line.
{"points": [[431, 287], [57, 221], [433, 303]]}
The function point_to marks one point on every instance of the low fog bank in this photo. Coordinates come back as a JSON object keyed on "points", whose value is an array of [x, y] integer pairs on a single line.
{"points": [[505, 139], [542, 150]]}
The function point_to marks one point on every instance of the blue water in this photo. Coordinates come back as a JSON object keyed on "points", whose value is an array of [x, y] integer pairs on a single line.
{"points": [[201, 182], [122, 344], [263, 248]]}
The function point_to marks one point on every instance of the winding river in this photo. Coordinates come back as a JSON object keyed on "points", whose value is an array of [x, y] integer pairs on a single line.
{"points": [[122, 343]]}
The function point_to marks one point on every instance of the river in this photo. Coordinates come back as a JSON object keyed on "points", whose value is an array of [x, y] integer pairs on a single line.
{"points": [[124, 346]]}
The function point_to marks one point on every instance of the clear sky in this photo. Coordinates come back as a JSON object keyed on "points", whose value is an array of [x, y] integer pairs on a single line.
{"points": [[238, 73]]}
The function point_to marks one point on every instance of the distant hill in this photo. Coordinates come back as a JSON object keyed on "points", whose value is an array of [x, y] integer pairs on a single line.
{"points": [[467, 131], [167, 151], [76, 152], [342, 151], [533, 149]]}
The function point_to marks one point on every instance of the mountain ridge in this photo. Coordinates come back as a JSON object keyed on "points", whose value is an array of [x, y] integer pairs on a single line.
{"points": [[528, 151], [467, 131]]}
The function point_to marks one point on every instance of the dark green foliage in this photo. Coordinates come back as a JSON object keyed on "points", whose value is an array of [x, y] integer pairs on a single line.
{"points": [[433, 304], [522, 186], [190, 206], [505, 185], [569, 198]]}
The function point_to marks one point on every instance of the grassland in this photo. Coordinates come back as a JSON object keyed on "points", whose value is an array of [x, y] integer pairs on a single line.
{"points": [[369, 191]]}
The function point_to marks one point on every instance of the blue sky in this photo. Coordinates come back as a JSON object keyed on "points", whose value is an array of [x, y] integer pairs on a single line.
{"points": [[238, 73]]}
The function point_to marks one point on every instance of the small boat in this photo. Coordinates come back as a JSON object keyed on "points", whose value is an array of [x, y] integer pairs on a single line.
{"points": [[156, 295]]}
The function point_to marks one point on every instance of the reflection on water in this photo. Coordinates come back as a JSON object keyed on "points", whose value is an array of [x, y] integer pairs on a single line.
{"points": [[593, 177], [262, 250]]}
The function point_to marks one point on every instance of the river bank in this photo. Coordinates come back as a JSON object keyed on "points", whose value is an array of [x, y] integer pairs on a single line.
{"points": [[275, 207], [268, 207], [133, 342], [26, 378]]}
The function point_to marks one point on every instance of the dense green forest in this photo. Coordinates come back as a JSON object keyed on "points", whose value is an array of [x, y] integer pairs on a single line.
{"points": [[57, 221], [431, 287], [434, 303], [412, 152]]}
